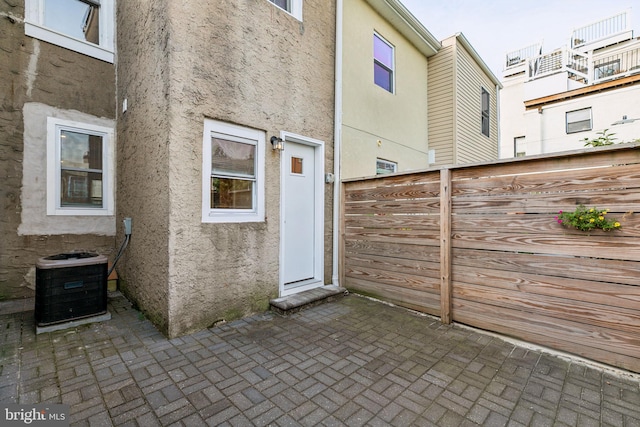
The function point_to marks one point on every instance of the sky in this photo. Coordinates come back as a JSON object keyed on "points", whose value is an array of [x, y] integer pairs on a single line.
{"points": [[499, 26]]}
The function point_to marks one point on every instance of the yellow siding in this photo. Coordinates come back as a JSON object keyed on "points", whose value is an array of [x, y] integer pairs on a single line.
{"points": [[441, 116], [472, 145]]}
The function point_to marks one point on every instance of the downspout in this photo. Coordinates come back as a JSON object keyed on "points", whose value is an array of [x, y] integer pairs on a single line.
{"points": [[337, 145], [498, 117]]}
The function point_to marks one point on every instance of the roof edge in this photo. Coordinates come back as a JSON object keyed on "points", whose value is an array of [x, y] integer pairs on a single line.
{"points": [[408, 25], [476, 56]]}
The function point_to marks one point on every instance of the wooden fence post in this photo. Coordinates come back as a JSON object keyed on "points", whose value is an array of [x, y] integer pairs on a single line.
{"points": [[445, 246]]}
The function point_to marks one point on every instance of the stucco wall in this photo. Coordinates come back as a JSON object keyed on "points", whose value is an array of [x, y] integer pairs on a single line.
{"points": [[370, 113], [143, 154], [38, 72], [245, 62]]}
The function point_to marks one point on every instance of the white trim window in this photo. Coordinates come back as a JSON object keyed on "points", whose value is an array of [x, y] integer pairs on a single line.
{"points": [[80, 168], [579, 120], [384, 167], [293, 7], [232, 173], [383, 63], [519, 146], [485, 116], [84, 26]]}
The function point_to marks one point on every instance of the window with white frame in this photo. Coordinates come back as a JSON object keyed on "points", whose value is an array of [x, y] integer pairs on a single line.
{"points": [[294, 7], [233, 173], [85, 26], [486, 100], [385, 166], [383, 63], [80, 177], [579, 120], [519, 146]]}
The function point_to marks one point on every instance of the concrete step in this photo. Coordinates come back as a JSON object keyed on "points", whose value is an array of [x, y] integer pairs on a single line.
{"points": [[296, 302]]}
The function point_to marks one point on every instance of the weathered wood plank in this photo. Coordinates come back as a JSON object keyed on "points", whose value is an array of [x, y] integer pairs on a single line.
{"points": [[391, 180], [605, 345], [594, 246], [396, 192], [404, 222], [416, 237], [393, 250], [422, 206], [394, 279], [584, 270], [561, 309], [617, 177], [537, 223], [619, 201], [569, 290], [409, 298], [592, 159], [445, 246], [398, 265]]}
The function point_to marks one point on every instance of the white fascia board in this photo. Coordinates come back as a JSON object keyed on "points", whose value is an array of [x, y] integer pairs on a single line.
{"points": [[407, 24]]}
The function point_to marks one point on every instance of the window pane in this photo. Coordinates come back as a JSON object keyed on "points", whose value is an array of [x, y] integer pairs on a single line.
{"points": [[284, 4], [382, 52], [230, 157], [296, 165], [228, 193], [79, 188], [382, 76], [80, 151], [578, 121], [74, 18], [385, 167]]}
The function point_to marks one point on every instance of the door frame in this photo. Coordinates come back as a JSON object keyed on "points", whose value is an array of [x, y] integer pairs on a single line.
{"points": [[318, 262]]}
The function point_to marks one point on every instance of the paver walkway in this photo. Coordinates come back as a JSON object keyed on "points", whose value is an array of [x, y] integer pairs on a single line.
{"points": [[351, 362]]}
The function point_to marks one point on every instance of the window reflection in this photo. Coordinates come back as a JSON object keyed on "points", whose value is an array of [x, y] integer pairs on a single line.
{"points": [[75, 18]]}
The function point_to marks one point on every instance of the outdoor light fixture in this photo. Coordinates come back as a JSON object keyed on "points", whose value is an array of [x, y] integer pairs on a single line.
{"points": [[278, 143], [623, 121]]}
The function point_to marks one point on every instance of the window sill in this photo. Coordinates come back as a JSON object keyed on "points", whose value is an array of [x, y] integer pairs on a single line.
{"points": [[58, 39], [236, 217]]}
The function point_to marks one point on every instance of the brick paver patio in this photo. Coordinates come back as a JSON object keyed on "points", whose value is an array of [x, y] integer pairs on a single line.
{"points": [[352, 362]]}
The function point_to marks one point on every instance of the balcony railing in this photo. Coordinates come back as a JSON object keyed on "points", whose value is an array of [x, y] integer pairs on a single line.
{"points": [[600, 30], [520, 56], [574, 62], [615, 66]]}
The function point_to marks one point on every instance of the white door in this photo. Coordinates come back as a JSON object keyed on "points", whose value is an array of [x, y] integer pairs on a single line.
{"points": [[301, 218]]}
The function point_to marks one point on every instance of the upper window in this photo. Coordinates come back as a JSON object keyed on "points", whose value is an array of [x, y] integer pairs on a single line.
{"points": [[85, 26], [486, 98], [233, 169], [294, 7], [385, 166], [383, 63], [519, 146], [79, 168], [579, 120]]}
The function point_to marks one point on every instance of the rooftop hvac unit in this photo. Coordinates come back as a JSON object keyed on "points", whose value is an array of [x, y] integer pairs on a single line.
{"points": [[70, 286]]}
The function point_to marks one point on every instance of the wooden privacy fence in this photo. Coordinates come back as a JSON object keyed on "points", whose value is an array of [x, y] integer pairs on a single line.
{"points": [[480, 245]]}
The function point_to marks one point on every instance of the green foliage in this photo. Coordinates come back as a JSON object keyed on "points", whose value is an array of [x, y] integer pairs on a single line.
{"points": [[603, 138], [587, 219]]}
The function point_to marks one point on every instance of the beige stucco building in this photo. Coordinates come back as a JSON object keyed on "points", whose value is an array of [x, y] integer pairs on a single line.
{"points": [[409, 101], [202, 89], [384, 123]]}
